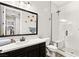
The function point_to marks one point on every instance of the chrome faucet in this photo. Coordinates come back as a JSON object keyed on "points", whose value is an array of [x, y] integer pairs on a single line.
{"points": [[22, 39]]}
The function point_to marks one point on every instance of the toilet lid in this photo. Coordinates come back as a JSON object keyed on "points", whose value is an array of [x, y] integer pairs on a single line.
{"points": [[51, 47]]}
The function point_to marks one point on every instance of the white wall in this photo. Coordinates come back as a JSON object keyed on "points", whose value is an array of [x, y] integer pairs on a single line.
{"points": [[43, 10]]}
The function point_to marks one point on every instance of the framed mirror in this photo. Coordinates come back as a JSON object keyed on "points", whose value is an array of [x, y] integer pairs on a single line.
{"points": [[15, 21]]}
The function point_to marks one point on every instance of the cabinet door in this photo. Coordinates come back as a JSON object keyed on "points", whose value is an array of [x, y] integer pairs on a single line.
{"points": [[17, 53], [33, 51], [42, 50], [37, 50], [3, 55]]}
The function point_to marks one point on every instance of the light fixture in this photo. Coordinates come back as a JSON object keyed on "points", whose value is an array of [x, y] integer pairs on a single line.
{"points": [[27, 4], [63, 20]]}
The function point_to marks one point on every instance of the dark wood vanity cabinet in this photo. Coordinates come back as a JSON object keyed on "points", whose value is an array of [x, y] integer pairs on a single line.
{"points": [[38, 50]]}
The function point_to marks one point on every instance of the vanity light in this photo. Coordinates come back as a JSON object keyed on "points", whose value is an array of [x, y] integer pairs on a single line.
{"points": [[28, 5]]}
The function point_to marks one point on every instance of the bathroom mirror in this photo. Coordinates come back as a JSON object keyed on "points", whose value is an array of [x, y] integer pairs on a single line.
{"points": [[15, 21]]}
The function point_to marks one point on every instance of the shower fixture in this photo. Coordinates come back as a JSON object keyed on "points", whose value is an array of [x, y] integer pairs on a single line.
{"points": [[58, 12]]}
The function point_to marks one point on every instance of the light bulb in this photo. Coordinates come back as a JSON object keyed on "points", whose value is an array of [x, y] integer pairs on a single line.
{"points": [[28, 5]]}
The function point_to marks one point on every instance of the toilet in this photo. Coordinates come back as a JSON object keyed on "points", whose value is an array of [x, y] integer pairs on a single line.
{"points": [[51, 49], [55, 49]]}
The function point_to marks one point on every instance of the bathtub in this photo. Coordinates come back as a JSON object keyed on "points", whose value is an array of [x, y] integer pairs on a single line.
{"points": [[72, 52], [65, 52]]}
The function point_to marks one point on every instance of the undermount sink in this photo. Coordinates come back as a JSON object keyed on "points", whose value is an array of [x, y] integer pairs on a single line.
{"points": [[4, 41]]}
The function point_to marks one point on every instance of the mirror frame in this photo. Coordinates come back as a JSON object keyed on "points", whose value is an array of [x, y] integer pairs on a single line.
{"points": [[1, 3]]}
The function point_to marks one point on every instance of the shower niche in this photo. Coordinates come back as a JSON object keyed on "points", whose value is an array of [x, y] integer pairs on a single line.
{"points": [[15, 21]]}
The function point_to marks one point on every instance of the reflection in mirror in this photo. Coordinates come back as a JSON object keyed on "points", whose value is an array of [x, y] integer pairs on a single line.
{"points": [[12, 22], [27, 23], [16, 21]]}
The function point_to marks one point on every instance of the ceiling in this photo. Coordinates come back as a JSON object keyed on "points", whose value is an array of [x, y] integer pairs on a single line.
{"points": [[60, 3]]}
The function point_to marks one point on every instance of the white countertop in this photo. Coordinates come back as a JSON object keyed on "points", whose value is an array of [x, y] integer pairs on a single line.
{"points": [[18, 45]]}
